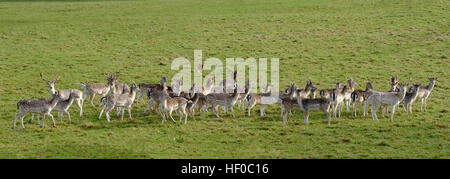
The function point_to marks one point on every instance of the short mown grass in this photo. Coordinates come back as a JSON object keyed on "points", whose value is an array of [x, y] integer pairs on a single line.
{"points": [[324, 41]]}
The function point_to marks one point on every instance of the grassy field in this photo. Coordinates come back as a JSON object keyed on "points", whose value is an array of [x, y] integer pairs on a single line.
{"points": [[324, 41]]}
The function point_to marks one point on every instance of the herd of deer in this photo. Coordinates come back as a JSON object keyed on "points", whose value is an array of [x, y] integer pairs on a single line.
{"points": [[167, 99]]}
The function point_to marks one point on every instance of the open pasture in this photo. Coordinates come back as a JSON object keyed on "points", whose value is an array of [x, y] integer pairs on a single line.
{"points": [[325, 41]]}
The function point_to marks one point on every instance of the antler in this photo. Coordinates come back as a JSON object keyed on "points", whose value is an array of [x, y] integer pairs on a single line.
{"points": [[57, 79], [43, 77]]}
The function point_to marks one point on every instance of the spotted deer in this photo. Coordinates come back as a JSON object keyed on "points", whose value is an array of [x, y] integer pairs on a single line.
{"points": [[92, 89], [192, 103], [410, 97], [424, 93], [120, 100], [304, 93], [155, 95], [325, 93], [169, 104], [393, 84], [347, 96], [255, 99], [76, 94], [222, 99], [62, 107], [306, 105], [39, 106], [337, 99], [357, 97], [143, 88], [390, 98]]}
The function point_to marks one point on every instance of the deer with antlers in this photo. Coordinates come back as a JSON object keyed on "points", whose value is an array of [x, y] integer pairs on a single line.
{"points": [[74, 93]]}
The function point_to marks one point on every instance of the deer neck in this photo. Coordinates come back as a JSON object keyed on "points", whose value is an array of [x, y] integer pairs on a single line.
{"points": [[415, 93], [430, 86], [401, 94], [54, 101], [235, 94], [165, 103], [299, 101], [132, 93], [112, 88], [52, 91]]}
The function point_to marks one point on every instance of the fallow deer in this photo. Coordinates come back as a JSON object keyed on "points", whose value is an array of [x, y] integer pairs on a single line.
{"points": [[306, 105], [222, 99], [358, 97], [410, 97], [92, 89], [337, 99], [169, 104], [325, 93], [255, 99], [120, 100], [347, 96], [76, 94], [62, 107], [40, 106], [424, 93], [389, 98]]}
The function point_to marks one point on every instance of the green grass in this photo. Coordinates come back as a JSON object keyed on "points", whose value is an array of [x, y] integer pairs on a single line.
{"points": [[324, 41]]}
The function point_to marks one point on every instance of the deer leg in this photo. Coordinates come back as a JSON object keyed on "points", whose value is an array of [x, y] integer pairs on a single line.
{"points": [[306, 115], [340, 108], [53, 119], [21, 121], [225, 109], [215, 111], [139, 97], [123, 112], [15, 120], [91, 98], [43, 120], [374, 111], [79, 104], [261, 110], [392, 112], [410, 108], [328, 116], [232, 111], [406, 110], [183, 111], [364, 108], [31, 119], [68, 115], [334, 110], [118, 110], [148, 107], [101, 112], [282, 110], [421, 106], [108, 109], [348, 105], [170, 114], [38, 120], [164, 118], [425, 105], [285, 117], [129, 113]]}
